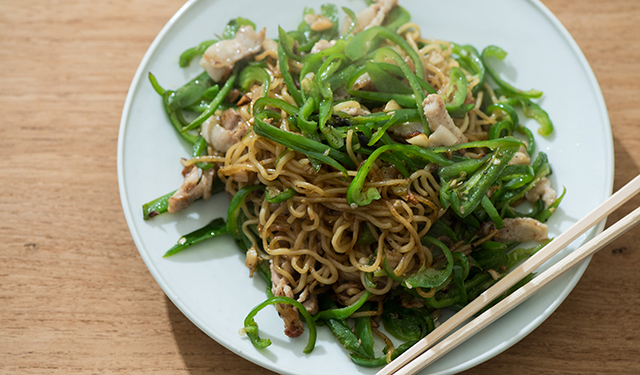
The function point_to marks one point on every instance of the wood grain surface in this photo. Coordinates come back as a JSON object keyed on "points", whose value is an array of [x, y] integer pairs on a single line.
{"points": [[75, 296]]}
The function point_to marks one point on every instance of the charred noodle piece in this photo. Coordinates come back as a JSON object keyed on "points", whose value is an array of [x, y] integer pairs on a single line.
{"points": [[251, 327], [344, 312], [215, 103], [355, 195], [215, 228], [500, 54]]}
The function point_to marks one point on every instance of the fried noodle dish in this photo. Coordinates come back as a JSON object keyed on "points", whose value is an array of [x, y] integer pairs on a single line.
{"points": [[374, 172]]}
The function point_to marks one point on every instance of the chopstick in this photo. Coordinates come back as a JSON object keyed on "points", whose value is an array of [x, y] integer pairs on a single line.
{"points": [[560, 242], [520, 295]]}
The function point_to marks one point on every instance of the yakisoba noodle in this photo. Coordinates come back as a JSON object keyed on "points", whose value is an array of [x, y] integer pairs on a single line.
{"points": [[351, 199]]}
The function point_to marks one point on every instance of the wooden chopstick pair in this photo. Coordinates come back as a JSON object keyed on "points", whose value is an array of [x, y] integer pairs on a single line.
{"points": [[430, 348]]}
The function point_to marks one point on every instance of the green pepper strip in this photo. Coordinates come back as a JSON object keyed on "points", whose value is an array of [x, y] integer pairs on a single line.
{"points": [[500, 54], [215, 228], [215, 103], [287, 42], [364, 332], [461, 169], [191, 53], [498, 128], [156, 206], [287, 194], [251, 327], [418, 94], [199, 146], [460, 273], [470, 56], [176, 119], [546, 214], [472, 190], [286, 76], [355, 195], [252, 74], [492, 212], [361, 43], [534, 111], [509, 110], [397, 17], [262, 103], [191, 92], [458, 83], [352, 24], [492, 144], [382, 360], [234, 208], [384, 81], [398, 116], [210, 93], [430, 277], [343, 333], [531, 142], [302, 144], [342, 313], [156, 86]]}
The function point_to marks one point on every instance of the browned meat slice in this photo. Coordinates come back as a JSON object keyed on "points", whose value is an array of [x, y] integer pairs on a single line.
{"points": [[192, 188], [292, 324], [444, 131], [371, 16], [223, 131], [219, 58], [542, 189], [523, 229]]}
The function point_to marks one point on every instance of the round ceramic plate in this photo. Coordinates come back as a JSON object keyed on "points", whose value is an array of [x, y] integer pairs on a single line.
{"points": [[209, 283]]}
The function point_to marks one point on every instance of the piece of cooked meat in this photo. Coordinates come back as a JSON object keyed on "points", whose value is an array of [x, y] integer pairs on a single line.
{"points": [[542, 189], [225, 130], [522, 229], [219, 58], [292, 324], [373, 15], [193, 187], [444, 130]]}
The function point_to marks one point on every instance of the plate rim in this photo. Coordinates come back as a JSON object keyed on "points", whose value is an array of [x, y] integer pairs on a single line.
{"points": [[175, 299]]}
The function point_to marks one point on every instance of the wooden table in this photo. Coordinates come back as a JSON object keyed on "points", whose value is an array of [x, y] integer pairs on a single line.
{"points": [[75, 297]]}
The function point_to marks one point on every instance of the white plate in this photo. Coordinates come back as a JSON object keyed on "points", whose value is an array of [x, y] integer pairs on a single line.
{"points": [[210, 283]]}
